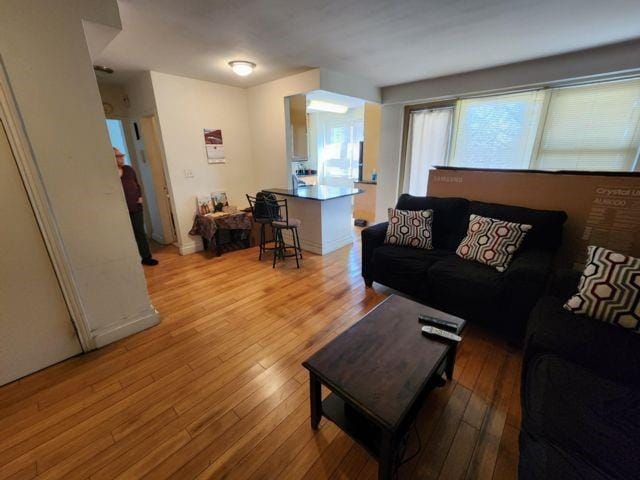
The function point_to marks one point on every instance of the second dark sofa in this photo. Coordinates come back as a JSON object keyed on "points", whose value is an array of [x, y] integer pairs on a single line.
{"points": [[471, 290]]}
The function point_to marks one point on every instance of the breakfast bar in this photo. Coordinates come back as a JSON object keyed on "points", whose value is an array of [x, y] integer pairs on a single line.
{"points": [[325, 213]]}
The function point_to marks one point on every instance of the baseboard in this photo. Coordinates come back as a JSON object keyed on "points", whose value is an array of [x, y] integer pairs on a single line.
{"points": [[318, 248], [189, 248], [110, 334]]}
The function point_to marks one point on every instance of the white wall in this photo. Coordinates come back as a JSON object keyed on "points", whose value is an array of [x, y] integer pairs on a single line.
{"points": [[186, 107], [603, 61], [57, 95], [267, 124]]}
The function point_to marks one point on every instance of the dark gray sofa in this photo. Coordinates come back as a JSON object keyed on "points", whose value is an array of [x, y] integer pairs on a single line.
{"points": [[471, 290], [580, 394]]}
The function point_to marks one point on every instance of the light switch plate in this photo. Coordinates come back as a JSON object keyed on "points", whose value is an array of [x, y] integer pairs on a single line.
{"points": [[188, 173]]}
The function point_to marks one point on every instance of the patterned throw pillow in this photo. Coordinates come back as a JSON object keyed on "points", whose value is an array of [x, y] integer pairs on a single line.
{"points": [[609, 289], [409, 228], [492, 242]]}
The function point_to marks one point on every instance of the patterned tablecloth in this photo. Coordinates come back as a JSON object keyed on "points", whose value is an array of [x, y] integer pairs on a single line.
{"points": [[208, 227]]}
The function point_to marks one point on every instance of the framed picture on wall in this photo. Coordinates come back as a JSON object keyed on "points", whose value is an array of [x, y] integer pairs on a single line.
{"points": [[214, 147]]}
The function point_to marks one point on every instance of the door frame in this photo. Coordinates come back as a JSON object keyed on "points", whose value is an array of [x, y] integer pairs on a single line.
{"points": [[42, 209]]}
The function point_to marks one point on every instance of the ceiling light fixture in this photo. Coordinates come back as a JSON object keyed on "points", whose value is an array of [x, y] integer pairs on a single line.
{"points": [[320, 106], [242, 67]]}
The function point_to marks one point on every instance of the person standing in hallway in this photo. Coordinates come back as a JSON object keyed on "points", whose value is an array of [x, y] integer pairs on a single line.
{"points": [[133, 195]]}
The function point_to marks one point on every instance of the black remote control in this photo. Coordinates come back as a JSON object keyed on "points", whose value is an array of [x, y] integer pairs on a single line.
{"points": [[438, 322]]}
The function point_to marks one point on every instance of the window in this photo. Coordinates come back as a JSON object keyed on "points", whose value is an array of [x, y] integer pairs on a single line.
{"points": [[428, 145], [593, 127], [496, 132], [339, 137]]}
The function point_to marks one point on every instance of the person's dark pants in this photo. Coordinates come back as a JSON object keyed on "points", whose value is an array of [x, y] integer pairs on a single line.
{"points": [[137, 221]]}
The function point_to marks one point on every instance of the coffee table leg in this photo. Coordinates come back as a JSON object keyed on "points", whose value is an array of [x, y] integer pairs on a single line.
{"points": [[451, 360], [315, 397], [387, 457]]}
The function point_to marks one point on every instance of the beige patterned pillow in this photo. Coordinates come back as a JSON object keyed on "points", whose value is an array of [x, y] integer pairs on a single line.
{"points": [[491, 241], [609, 289], [410, 228]]}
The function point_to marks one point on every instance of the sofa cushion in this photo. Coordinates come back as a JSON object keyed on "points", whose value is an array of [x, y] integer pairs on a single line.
{"points": [[404, 268], [546, 231], [606, 349], [594, 418], [409, 228], [609, 289], [465, 288], [450, 217], [491, 241]]}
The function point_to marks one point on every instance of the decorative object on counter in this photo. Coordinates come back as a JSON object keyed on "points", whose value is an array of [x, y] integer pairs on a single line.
{"points": [[204, 204], [214, 148], [374, 176], [223, 232], [220, 201]]}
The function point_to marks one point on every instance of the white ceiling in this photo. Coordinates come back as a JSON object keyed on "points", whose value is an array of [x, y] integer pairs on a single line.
{"points": [[387, 41]]}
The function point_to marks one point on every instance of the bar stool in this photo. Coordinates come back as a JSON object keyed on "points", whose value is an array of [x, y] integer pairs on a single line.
{"points": [[263, 214], [285, 223]]}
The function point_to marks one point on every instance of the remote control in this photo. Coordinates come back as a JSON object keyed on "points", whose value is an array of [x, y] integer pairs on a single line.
{"points": [[429, 330], [437, 322]]}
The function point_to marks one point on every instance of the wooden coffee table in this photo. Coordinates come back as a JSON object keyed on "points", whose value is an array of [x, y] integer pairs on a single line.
{"points": [[379, 371]]}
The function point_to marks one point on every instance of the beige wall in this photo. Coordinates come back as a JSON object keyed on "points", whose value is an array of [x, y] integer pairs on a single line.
{"points": [[50, 71], [186, 107], [267, 125], [372, 116]]}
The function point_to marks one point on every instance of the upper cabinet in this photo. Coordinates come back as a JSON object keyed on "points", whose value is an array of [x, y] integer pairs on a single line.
{"points": [[298, 123]]}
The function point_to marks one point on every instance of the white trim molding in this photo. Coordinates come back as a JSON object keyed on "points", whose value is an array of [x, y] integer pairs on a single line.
{"points": [[45, 217], [110, 334]]}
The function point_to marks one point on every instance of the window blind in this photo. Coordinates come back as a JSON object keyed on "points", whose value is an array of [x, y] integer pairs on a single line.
{"points": [[594, 127], [496, 132]]}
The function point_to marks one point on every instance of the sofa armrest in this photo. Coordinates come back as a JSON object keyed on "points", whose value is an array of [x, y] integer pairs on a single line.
{"points": [[608, 350], [525, 281], [372, 237]]}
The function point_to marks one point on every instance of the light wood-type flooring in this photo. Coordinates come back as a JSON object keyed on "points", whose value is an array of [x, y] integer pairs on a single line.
{"points": [[217, 389]]}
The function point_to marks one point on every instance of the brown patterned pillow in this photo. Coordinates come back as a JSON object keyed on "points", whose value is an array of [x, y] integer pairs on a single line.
{"points": [[410, 228], [491, 241], [609, 289]]}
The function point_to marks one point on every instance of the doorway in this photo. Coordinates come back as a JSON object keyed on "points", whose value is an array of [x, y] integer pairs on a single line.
{"points": [[36, 324], [139, 144]]}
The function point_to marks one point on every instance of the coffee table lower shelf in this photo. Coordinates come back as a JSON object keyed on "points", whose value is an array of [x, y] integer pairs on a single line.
{"points": [[367, 434]]}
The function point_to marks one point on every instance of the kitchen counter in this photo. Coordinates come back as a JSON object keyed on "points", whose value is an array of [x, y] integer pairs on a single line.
{"points": [[316, 192], [325, 213]]}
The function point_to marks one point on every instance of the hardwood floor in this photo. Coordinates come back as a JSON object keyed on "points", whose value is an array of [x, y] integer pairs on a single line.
{"points": [[217, 389]]}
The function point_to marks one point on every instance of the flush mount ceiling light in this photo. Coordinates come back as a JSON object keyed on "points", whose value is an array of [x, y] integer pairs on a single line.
{"points": [[320, 106], [242, 67]]}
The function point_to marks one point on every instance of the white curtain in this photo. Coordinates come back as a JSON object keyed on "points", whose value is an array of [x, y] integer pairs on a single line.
{"points": [[429, 132]]}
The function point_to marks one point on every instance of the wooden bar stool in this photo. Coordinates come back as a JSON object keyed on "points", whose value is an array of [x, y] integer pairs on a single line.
{"points": [[263, 214], [285, 223]]}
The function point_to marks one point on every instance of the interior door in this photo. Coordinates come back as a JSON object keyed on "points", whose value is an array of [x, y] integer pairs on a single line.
{"points": [[151, 143], [35, 325]]}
